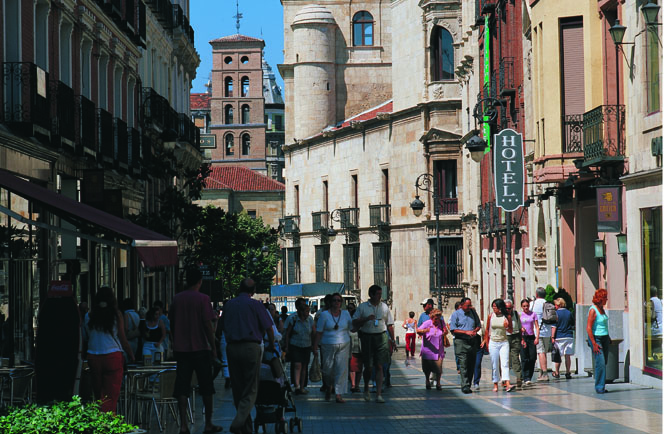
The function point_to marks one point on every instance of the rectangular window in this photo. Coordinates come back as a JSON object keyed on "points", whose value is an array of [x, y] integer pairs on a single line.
{"points": [[297, 200], [292, 266], [381, 267], [326, 197], [322, 263], [353, 192], [251, 213], [278, 122], [572, 79], [446, 177], [386, 186], [451, 260], [653, 57], [651, 240], [352, 266]]}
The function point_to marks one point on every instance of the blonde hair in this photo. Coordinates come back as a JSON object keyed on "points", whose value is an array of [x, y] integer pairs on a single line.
{"points": [[435, 312], [560, 302]]}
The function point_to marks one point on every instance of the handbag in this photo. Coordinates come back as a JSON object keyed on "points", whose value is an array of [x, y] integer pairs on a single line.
{"points": [[446, 341], [314, 370], [555, 355]]}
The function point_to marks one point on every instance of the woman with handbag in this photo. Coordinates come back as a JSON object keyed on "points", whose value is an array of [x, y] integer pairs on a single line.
{"points": [[498, 325], [434, 340], [300, 331], [333, 332]]}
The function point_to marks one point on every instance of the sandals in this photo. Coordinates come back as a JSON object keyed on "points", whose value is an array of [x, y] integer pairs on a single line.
{"points": [[555, 375], [439, 387], [340, 400], [509, 389]]}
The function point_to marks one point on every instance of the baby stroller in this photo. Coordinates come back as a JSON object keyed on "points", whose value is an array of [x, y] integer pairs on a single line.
{"points": [[275, 398]]}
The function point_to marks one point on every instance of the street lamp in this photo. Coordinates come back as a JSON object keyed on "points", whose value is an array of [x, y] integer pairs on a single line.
{"points": [[476, 146], [650, 11], [428, 182], [621, 239]]}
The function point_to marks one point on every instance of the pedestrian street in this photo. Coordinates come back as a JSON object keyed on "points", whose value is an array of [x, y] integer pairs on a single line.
{"points": [[568, 406]]}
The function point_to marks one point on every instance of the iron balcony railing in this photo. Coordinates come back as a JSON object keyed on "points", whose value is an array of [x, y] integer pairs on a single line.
{"points": [[320, 220], [106, 136], [64, 119], [290, 224], [134, 151], [349, 217], [572, 133], [27, 100], [506, 76], [154, 108], [604, 134], [379, 215], [122, 143], [448, 205], [88, 127]]}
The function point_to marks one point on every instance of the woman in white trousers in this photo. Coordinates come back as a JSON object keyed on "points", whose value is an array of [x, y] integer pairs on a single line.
{"points": [[498, 325], [333, 334]]}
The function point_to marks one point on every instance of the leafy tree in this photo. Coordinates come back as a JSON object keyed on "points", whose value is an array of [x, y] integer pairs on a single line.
{"points": [[550, 293]]}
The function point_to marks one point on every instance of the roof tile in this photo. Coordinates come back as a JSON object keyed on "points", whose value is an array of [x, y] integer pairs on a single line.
{"points": [[238, 178], [199, 101]]}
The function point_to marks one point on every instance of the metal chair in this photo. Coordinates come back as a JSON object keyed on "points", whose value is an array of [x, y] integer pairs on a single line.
{"points": [[158, 392], [19, 387]]}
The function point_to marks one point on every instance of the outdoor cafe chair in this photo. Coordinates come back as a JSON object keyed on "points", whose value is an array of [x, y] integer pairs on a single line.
{"points": [[17, 387], [157, 392]]}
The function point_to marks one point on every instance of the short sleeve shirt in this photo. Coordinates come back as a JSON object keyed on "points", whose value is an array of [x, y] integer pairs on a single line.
{"points": [[461, 320], [189, 311], [538, 308], [245, 320], [564, 326], [301, 334], [423, 317], [528, 322], [382, 313], [331, 335]]}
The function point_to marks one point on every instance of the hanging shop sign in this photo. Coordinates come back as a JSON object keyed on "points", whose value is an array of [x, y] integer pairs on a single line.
{"points": [[508, 169], [609, 217]]}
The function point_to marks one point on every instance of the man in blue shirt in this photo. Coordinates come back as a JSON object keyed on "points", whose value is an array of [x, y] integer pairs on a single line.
{"points": [[424, 316], [464, 324]]}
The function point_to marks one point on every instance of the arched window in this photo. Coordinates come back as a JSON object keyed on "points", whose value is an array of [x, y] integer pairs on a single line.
{"points": [[228, 143], [228, 114], [363, 29], [442, 55], [245, 114], [245, 87], [246, 144], [228, 87]]}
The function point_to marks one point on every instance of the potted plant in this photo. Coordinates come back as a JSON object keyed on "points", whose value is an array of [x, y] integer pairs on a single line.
{"points": [[72, 417]]}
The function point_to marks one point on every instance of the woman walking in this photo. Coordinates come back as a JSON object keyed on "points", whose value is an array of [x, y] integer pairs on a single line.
{"points": [[530, 339], [432, 350], [410, 325], [498, 325], [332, 331], [106, 340], [598, 337], [300, 330], [562, 336]]}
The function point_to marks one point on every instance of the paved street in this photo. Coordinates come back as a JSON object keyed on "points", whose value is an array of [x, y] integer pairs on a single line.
{"points": [[568, 406]]}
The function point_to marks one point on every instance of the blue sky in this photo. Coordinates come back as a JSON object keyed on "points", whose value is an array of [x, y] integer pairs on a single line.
{"points": [[213, 19]]}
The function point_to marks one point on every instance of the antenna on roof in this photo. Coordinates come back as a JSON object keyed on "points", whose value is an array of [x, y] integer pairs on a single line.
{"points": [[237, 16]]}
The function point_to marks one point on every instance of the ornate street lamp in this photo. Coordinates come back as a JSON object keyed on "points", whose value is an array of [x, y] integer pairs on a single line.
{"points": [[622, 243]]}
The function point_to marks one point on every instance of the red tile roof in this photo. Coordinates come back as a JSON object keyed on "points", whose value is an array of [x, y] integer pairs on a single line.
{"points": [[239, 178], [372, 113], [199, 101], [236, 38]]}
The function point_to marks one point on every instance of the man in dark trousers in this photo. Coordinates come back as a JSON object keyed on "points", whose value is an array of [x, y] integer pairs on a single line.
{"points": [[244, 323], [192, 320], [465, 324]]}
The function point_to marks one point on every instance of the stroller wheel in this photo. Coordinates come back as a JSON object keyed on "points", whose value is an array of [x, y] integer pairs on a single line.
{"points": [[281, 427], [291, 425], [299, 425]]}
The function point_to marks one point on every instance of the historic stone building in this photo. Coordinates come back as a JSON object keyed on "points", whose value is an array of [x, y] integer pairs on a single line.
{"points": [[369, 108]]}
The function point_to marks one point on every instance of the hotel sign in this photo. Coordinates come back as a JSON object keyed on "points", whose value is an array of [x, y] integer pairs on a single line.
{"points": [[508, 169], [608, 209]]}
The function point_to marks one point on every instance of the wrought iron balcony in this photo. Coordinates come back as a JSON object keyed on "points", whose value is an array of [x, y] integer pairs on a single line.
{"points": [[572, 133], [88, 127], [379, 215], [489, 218], [106, 131], [27, 99], [290, 224], [154, 110], [604, 135], [134, 148], [122, 143], [448, 205], [64, 119], [506, 76], [348, 217], [320, 220]]}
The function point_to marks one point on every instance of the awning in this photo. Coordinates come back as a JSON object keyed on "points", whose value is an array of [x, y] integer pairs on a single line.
{"points": [[154, 249], [306, 289]]}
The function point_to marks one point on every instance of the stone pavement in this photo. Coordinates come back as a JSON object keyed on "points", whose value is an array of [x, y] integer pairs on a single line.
{"points": [[568, 406]]}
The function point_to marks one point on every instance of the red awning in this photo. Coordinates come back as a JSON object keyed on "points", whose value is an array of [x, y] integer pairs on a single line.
{"points": [[154, 249]]}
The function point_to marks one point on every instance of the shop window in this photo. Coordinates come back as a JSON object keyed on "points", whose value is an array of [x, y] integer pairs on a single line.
{"points": [[651, 243]]}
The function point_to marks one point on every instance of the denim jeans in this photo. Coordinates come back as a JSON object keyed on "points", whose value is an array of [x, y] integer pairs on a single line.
{"points": [[478, 366], [600, 361]]}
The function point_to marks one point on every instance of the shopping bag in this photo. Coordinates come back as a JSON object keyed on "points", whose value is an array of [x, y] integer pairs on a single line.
{"points": [[314, 370], [555, 354]]}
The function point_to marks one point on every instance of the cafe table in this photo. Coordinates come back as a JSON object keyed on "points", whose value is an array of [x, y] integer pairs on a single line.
{"points": [[132, 374]]}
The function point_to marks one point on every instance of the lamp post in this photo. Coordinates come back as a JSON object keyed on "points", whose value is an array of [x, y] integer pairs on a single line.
{"points": [[428, 182]]}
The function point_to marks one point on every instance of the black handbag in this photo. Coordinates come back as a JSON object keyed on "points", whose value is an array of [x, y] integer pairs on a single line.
{"points": [[555, 355]]}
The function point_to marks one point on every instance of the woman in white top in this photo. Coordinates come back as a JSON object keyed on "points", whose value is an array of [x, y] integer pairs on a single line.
{"points": [[333, 333], [498, 325]]}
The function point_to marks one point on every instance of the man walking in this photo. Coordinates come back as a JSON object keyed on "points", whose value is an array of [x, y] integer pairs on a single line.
{"points": [[192, 319], [515, 341], [373, 318], [427, 304], [244, 323], [465, 324], [544, 345]]}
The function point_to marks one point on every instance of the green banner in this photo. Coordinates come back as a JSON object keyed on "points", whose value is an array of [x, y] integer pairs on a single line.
{"points": [[487, 81]]}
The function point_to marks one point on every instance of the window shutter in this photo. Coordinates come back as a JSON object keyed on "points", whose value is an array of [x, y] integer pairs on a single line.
{"points": [[571, 34], [291, 266], [320, 264], [432, 265]]}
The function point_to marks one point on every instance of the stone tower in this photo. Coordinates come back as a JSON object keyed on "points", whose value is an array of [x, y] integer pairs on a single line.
{"points": [[314, 34]]}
